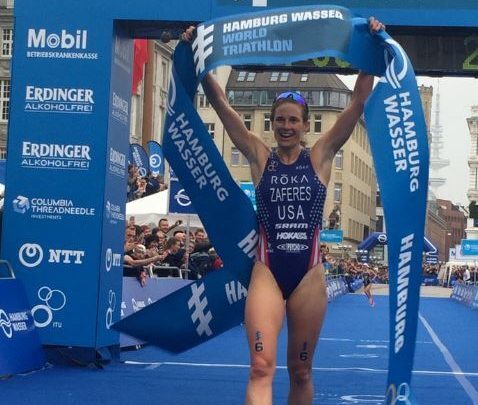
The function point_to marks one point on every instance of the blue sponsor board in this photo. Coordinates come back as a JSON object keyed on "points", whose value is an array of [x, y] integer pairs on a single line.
{"points": [[20, 347], [469, 247], [66, 175], [332, 235]]}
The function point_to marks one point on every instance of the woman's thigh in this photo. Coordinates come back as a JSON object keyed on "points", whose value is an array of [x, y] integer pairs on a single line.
{"points": [[306, 310], [264, 315]]}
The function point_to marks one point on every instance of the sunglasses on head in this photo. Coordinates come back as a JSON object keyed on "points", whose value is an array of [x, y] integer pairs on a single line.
{"points": [[292, 95]]}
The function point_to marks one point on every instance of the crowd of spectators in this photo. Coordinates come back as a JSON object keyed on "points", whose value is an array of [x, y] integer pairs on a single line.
{"points": [[464, 274], [162, 251], [142, 186]]}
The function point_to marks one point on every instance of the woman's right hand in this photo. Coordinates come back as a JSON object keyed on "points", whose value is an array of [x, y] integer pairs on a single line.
{"points": [[188, 35]]}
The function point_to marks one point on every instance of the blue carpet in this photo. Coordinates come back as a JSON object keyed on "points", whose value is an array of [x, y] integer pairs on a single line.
{"points": [[349, 368]]}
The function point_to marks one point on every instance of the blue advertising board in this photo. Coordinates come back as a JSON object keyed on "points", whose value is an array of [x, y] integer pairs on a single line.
{"points": [[66, 172], [469, 247], [332, 235], [20, 347]]}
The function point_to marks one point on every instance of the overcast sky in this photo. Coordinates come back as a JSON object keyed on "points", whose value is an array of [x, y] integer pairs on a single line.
{"points": [[457, 95]]}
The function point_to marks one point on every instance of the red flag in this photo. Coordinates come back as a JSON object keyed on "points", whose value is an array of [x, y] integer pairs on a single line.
{"points": [[140, 58]]}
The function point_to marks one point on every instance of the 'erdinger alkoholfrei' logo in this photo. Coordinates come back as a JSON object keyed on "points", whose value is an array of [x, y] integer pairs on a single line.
{"points": [[60, 44], [55, 156], [64, 100]]}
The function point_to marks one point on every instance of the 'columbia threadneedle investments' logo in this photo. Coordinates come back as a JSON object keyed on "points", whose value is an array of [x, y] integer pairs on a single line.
{"points": [[199, 313], [202, 46], [113, 213], [50, 208], [59, 45]]}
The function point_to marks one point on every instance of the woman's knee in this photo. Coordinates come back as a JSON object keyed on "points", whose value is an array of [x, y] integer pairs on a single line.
{"points": [[300, 374], [262, 368]]}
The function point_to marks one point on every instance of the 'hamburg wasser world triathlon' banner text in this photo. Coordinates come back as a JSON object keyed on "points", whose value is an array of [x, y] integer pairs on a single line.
{"points": [[397, 133]]}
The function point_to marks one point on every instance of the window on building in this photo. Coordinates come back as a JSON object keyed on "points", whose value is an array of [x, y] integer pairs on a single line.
{"points": [[210, 128], [4, 99], [251, 76], [304, 77], [267, 122], [284, 76], [235, 157], [3, 153], [247, 121], [244, 161], [274, 76], [7, 41], [241, 76], [203, 101], [337, 192], [317, 123], [165, 74], [339, 160]]}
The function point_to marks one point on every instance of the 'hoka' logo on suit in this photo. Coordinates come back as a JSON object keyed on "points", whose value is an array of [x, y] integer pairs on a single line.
{"points": [[202, 46], [199, 306]]}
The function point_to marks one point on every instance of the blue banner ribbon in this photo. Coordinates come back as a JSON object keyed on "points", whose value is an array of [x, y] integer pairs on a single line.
{"points": [[397, 134]]}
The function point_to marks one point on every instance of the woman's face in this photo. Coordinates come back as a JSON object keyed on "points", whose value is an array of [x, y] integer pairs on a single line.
{"points": [[288, 125]]}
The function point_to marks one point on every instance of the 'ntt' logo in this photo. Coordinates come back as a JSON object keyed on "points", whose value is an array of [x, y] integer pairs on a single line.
{"points": [[5, 324], [109, 259], [30, 255], [182, 198]]}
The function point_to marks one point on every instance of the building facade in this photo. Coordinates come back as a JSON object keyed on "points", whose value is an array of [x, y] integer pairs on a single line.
{"points": [[6, 48], [456, 224]]}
